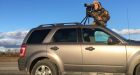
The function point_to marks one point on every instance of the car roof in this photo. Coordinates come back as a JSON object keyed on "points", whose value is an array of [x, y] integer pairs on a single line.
{"points": [[65, 25]]}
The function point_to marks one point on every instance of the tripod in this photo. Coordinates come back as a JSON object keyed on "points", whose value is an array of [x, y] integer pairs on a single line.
{"points": [[85, 20]]}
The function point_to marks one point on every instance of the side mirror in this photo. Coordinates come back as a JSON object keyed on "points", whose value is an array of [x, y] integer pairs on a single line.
{"points": [[113, 41]]}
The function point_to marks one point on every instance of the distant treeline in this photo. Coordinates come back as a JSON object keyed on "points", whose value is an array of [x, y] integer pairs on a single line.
{"points": [[9, 54]]}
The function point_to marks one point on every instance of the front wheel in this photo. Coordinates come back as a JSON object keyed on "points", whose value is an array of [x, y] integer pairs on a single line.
{"points": [[44, 67], [137, 70]]}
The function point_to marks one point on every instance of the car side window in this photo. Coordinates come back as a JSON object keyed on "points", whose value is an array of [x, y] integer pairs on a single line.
{"points": [[101, 37], [88, 35], [97, 36], [65, 35], [37, 36]]}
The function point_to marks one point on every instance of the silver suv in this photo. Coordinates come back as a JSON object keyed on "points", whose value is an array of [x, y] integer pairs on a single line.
{"points": [[54, 49]]}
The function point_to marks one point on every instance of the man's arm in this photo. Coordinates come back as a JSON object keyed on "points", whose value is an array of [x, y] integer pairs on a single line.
{"points": [[105, 16]]}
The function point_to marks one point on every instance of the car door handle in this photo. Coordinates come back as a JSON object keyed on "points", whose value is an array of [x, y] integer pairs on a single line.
{"points": [[54, 48], [90, 48]]}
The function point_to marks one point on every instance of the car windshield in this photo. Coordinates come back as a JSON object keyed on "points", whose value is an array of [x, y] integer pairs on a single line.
{"points": [[117, 34]]}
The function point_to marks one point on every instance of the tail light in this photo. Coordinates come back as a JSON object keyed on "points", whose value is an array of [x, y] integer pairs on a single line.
{"points": [[22, 50]]}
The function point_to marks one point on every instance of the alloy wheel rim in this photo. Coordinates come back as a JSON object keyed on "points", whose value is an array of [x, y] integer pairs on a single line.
{"points": [[43, 70]]}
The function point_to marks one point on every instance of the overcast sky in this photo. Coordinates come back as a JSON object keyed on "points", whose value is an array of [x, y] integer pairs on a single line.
{"points": [[19, 16]]}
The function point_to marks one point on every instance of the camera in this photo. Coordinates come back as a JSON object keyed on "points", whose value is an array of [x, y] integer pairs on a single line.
{"points": [[88, 5], [89, 9]]}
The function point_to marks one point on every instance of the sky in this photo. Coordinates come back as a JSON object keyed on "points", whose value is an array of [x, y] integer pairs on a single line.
{"points": [[17, 17]]}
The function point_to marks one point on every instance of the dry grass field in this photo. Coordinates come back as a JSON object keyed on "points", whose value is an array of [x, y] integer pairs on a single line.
{"points": [[9, 59]]}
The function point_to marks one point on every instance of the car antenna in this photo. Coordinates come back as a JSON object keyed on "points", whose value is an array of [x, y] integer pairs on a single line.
{"points": [[128, 22]]}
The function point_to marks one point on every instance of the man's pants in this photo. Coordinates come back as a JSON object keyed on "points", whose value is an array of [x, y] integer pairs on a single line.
{"points": [[100, 23]]}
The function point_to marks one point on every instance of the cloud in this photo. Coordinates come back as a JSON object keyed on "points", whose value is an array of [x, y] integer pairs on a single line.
{"points": [[12, 38], [8, 42], [16, 35], [2, 49], [127, 31]]}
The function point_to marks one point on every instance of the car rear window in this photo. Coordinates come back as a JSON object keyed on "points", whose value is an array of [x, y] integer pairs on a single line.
{"points": [[38, 36]]}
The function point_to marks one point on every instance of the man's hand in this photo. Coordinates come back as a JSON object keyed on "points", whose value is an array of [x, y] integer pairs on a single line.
{"points": [[99, 18]]}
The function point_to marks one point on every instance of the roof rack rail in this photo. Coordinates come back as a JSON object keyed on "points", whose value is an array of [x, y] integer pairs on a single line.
{"points": [[60, 24], [46, 25]]}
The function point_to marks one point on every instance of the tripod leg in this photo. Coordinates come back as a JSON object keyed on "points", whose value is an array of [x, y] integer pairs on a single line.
{"points": [[88, 20], [83, 20]]}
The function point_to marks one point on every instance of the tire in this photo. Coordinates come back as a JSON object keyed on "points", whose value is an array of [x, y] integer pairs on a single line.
{"points": [[137, 70], [44, 67]]}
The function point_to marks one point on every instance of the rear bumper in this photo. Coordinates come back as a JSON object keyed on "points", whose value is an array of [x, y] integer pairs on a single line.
{"points": [[22, 64]]}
